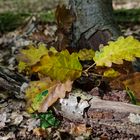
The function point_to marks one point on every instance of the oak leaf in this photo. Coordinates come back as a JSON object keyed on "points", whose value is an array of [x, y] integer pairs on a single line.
{"points": [[31, 56], [86, 54], [42, 94], [111, 73], [115, 52], [60, 66]]}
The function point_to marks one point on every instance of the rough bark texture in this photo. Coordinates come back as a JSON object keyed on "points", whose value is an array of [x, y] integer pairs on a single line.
{"points": [[94, 23]]}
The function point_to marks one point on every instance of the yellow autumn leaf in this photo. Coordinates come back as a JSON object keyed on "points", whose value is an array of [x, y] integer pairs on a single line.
{"points": [[115, 52], [111, 73], [60, 66], [53, 50], [86, 54], [31, 56], [22, 66]]}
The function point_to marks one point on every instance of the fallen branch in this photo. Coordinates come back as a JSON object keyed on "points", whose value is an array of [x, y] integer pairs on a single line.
{"points": [[117, 117]]}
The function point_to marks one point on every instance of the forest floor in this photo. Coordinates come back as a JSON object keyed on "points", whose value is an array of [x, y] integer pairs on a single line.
{"points": [[15, 122]]}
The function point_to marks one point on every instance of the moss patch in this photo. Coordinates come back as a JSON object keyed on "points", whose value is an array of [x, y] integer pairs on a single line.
{"points": [[131, 15]]}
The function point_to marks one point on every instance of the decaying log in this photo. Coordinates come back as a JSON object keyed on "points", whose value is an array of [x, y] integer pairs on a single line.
{"points": [[117, 117]]}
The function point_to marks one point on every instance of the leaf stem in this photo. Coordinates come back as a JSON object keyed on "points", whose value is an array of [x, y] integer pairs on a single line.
{"points": [[86, 70], [94, 74]]}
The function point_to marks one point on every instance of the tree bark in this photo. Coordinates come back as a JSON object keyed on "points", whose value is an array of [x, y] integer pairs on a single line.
{"points": [[94, 24]]}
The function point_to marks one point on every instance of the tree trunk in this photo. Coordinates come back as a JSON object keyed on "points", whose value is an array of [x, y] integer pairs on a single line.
{"points": [[94, 23]]}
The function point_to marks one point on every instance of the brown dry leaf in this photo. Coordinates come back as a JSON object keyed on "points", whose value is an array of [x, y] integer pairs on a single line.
{"points": [[40, 132], [117, 83], [55, 92], [62, 41], [101, 70], [133, 83], [64, 17], [41, 37], [42, 94], [104, 138], [80, 129], [125, 68]]}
